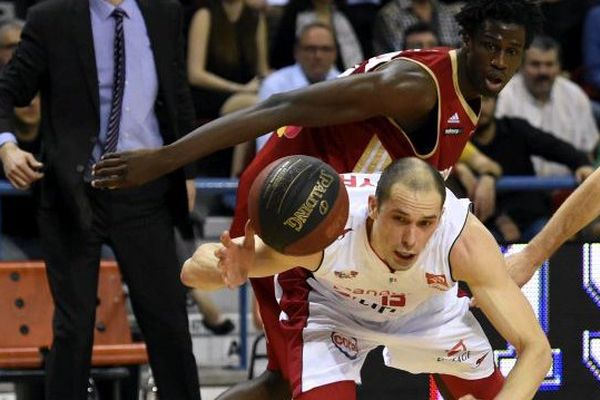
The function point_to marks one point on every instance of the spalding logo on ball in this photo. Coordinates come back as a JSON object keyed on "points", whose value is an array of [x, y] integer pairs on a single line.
{"points": [[298, 205]]}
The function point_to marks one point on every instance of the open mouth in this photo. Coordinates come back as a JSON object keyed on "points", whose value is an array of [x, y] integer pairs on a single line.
{"points": [[494, 83], [405, 256]]}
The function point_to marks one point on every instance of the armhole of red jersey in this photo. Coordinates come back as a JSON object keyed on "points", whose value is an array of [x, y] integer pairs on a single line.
{"points": [[456, 239], [439, 111]]}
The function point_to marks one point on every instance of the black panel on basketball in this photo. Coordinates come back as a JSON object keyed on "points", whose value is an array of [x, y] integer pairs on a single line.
{"points": [[298, 205]]}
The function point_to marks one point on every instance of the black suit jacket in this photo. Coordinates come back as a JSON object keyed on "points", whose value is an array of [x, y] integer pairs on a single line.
{"points": [[56, 57]]}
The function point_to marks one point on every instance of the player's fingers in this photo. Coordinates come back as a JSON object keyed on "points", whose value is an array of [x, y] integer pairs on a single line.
{"points": [[225, 278], [220, 253], [249, 236], [109, 182], [108, 161], [226, 239], [107, 171]]}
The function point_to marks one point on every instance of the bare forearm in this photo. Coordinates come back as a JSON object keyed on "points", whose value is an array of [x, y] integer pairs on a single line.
{"points": [[528, 373], [577, 211], [219, 134], [306, 107]]}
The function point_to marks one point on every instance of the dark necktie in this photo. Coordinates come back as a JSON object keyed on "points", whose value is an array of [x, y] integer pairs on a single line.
{"points": [[114, 118]]}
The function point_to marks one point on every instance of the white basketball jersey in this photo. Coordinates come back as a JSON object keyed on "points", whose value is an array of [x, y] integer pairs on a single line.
{"points": [[354, 277]]}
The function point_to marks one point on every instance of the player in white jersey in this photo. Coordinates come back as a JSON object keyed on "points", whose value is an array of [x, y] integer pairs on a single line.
{"points": [[391, 280]]}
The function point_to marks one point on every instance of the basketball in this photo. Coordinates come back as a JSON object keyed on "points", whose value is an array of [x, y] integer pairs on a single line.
{"points": [[298, 205]]}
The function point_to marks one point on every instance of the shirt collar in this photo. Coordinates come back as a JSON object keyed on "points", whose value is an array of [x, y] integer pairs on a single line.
{"points": [[104, 9]]}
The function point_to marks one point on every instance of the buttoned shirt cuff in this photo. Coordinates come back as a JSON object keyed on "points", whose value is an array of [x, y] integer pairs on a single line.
{"points": [[6, 137]]}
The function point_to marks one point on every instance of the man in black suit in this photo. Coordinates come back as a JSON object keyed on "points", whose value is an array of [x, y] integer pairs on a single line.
{"points": [[111, 75]]}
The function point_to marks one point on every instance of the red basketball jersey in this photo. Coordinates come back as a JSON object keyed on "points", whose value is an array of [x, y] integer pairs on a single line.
{"points": [[369, 145]]}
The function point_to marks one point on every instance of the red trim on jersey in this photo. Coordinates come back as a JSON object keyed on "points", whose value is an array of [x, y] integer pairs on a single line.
{"points": [[452, 387], [294, 303]]}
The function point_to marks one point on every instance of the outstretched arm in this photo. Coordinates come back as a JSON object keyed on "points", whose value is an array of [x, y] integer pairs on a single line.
{"points": [[403, 91], [476, 260], [580, 208], [228, 264]]}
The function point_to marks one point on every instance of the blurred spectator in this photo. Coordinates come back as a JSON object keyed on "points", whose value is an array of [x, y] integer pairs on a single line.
{"points": [[563, 22], [10, 35], [511, 142], [591, 53], [549, 102], [315, 56], [21, 6], [395, 17], [474, 176], [420, 36], [361, 14], [227, 57], [299, 13], [20, 234]]}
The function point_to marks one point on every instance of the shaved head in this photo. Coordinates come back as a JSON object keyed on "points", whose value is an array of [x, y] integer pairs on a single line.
{"points": [[413, 173]]}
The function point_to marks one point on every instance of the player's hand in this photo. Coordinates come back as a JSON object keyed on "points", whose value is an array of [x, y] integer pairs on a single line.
{"points": [[235, 260], [484, 198], [520, 268], [128, 169], [20, 167], [582, 173]]}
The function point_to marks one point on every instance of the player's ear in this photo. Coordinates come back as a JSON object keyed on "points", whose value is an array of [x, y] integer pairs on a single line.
{"points": [[373, 204]]}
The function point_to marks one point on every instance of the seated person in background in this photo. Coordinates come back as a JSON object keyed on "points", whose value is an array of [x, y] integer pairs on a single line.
{"points": [[410, 241], [315, 54], [420, 36], [299, 13], [20, 234], [474, 176], [10, 35], [227, 56], [395, 17], [591, 58], [550, 102], [511, 142]]}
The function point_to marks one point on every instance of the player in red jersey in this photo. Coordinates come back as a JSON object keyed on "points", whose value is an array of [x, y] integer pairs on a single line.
{"points": [[422, 103]]}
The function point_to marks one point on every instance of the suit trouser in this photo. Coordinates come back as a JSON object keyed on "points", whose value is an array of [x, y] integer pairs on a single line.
{"points": [[137, 224]]}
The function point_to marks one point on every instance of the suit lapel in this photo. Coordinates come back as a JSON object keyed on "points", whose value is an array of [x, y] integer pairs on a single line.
{"points": [[82, 32]]}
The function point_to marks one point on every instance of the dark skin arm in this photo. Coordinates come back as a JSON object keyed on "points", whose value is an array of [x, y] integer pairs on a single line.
{"points": [[402, 91]]}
